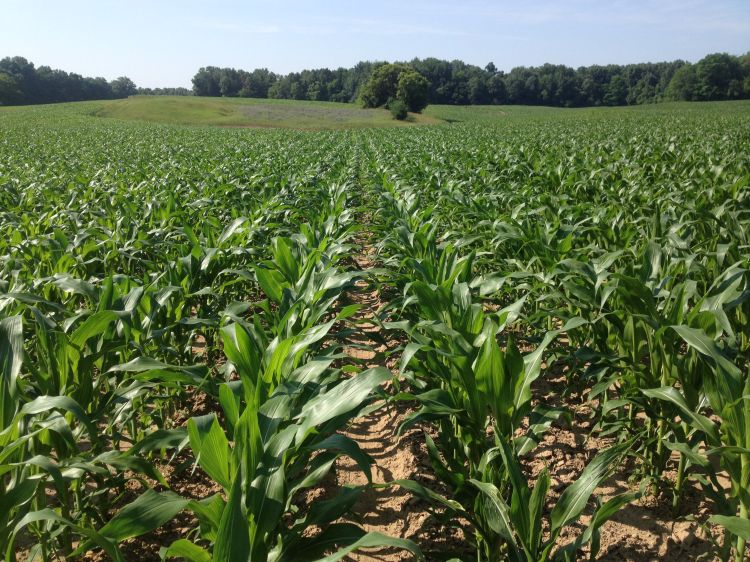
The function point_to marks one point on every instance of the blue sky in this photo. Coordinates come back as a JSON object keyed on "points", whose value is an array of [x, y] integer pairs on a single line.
{"points": [[163, 42]]}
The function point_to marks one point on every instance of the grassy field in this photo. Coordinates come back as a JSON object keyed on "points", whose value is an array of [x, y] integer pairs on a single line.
{"points": [[519, 335], [291, 114], [488, 114], [244, 112], [308, 115]]}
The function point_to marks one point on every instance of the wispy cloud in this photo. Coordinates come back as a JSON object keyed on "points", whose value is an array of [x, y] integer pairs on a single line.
{"points": [[337, 25], [680, 15], [238, 27]]}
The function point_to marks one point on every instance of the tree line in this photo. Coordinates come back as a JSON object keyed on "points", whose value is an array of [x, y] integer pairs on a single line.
{"points": [[178, 91], [718, 76], [22, 83]]}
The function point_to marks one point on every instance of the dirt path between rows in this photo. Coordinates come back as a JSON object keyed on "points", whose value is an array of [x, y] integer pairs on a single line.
{"points": [[391, 510], [643, 531]]}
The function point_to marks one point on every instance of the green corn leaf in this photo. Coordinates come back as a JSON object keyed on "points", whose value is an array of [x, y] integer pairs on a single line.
{"points": [[575, 497], [311, 371], [496, 510], [93, 537], [341, 399], [231, 229], [272, 283], [371, 540], [521, 506], [425, 493], [160, 439], [186, 550], [671, 394], [11, 358], [316, 472], [94, 325], [324, 512], [148, 512], [209, 512], [603, 514], [78, 286], [242, 351], [339, 442], [284, 259], [230, 403], [533, 361], [409, 352], [46, 403], [345, 534], [735, 525], [705, 345], [126, 461], [692, 455], [536, 509], [233, 539], [211, 447]]}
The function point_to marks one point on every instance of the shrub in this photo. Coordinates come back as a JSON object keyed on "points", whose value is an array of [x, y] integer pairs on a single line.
{"points": [[398, 109]]}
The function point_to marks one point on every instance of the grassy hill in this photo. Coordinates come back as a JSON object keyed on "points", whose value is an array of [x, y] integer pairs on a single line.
{"points": [[244, 112], [311, 115]]}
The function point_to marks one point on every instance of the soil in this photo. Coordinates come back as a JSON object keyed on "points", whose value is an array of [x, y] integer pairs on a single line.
{"points": [[389, 510], [642, 531]]}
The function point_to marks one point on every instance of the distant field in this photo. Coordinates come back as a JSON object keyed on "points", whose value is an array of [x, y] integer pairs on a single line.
{"points": [[244, 112], [310, 115], [495, 113]]}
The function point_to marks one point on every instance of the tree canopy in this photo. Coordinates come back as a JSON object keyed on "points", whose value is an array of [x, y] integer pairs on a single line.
{"points": [[229, 82], [715, 77], [718, 76], [412, 90], [390, 82], [23, 83], [382, 85]]}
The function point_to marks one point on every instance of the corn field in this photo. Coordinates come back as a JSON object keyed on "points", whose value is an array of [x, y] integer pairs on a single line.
{"points": [[181, 300]]}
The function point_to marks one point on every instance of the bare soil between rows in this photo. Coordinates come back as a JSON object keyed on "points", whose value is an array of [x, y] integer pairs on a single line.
{"points": [[642, 531]]}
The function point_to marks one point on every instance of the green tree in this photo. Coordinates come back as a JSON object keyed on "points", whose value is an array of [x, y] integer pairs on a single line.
{"points": [[123, 87], [206, 81], [715, 75], [745, 64], [684, 84], [23, 73], [9, 92], [395, 82], [412, 90], [644, 90], [617, 91], [497, 90], [23, 83], [382, 85], [229, 82], [478, 91], [258, 84]]}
